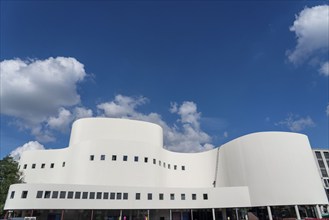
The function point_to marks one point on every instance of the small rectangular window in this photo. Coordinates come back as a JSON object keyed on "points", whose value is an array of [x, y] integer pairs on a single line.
{"points": [[168, 166], [119, 196], [172, 196], [102, 157], [47, 194], [43, 166], [125, 196], [70, 195], [92, 195], [205, 196], [145, 159], [125, 157], [54, 195], [25, 166], [164, 164], [24, 195], [193, 196], [105, 195], [318, 154], [12, 194], [112, 195], [33, 166], [182, 196], [39, 194], [154, 161], [91, 157], [136, 158], [52, 165], [114, 157], [183, 167], [138, 196], [63, 164], [175, 167], [77, 195], [62, 195], [159, 162], [99, 195], [160, 196], [85, 195], [149, 196]]}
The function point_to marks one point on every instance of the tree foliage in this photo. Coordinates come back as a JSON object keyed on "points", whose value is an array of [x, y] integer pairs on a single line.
{"points": [[9, 174]]}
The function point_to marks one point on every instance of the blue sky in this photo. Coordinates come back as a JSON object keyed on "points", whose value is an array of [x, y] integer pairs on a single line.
{"points": [[207, 71]]}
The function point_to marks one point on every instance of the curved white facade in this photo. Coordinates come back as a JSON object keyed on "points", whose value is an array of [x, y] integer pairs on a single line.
{"points": [[126, 158]]}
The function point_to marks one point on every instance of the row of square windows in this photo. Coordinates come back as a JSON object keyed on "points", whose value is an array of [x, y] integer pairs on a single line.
{"points": [[43, 165], [136, 159], [100, 195]]}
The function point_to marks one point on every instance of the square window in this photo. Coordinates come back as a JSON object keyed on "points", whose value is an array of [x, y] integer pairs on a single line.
{"points": [[12, 194], [183, 167], [25, 166], [77, 195], [33, 166], [119, 195], [205, 196], [193, 196], [105, 195], [182, 196], [160, 196], [114, 157], [43, 166], [99, 195], [52, 165], [39, 194], [102, 157], [92, 195], [149, 196], [138, 196], [63, 164], [91, 157], [85, 195], [154, 161], [125, 157], [54, 195], [136, 158], [175, 167], [62, 195], [172, 196], [24, 195], [70, 195], [125, 196], [112, 195], [47, 194], [146, 159]]}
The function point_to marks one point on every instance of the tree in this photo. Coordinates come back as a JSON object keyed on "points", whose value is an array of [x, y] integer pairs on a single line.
{"points": [[9, 174]]}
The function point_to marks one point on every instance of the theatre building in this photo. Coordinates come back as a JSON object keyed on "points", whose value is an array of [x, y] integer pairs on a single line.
{"points": [[118, 169]]}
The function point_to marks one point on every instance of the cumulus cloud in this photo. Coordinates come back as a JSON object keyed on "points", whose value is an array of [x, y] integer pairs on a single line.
{"points": [[295, 123], [183, 136], [34, 91], [32, 145], [311, 27], [324, 69]]}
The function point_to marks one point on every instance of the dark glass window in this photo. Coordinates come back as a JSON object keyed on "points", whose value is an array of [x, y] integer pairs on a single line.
{"points": [[92, 195], [149, 196], [193, 196], [159, 162], [172, 196], [164, 164], [77, 195], [62, 195], [136, 158], [55, 195], [33, 166], [24, 195], [125, 157], [43, 166], [175, 167], [146, 159], [99, 195], [138, 196], [205, 196], [25, 166], [47, 194], [52, 165], [112, 195], [114, 157], [63, 164], [160, 196], [102, 157], [85, 195], [39, 194], [105, 195], [182, 196], [12, 194], [125, 196], [183, 167], [154, 161], [70, 195], [119, 196], [318, 154], [168, 166], [91, 157]]}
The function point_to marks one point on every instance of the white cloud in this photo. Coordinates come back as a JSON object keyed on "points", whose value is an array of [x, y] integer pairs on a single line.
{"points": [[32, 145], [33, 91], [324, 70], [81, 112], [295, 123], [225, 134], [327, 111], [183, 136], [311, 27], [62, 121]]}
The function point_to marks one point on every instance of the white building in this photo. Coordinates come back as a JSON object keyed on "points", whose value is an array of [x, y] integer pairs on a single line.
{"points": [[321, 156], [118, 168]]}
